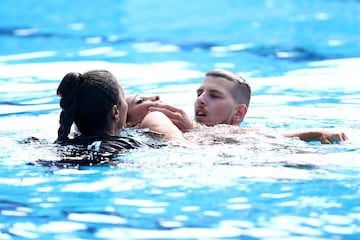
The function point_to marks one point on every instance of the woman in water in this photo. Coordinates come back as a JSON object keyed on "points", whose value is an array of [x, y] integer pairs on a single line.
{"points": [[93, 101]]}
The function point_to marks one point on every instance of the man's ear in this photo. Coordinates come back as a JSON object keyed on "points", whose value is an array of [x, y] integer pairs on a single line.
{"points": [[115, 113], [241, 110]]}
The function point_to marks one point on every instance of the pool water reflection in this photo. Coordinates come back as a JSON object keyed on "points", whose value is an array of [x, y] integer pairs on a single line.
{"points": [[301, 60]]}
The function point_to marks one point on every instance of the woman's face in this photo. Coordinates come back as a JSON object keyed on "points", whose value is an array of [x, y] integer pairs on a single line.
{"points": [[138, 107]]}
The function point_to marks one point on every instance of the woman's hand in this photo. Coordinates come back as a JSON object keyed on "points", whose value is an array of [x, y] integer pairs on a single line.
{"points": [[176, 115]]}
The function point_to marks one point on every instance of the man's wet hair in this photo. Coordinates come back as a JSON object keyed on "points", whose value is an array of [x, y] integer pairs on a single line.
{"points": [[242, 91]]}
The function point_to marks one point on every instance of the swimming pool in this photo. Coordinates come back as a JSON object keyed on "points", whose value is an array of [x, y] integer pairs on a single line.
{"points": [[302, 60]]}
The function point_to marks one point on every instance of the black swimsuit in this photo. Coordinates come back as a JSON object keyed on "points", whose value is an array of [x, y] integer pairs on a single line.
{"points": [[107, 143], [99, 149], [92, 150]]}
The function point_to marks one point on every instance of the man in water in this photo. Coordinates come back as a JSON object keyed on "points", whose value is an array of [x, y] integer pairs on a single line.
{"points": [[223, 98]]}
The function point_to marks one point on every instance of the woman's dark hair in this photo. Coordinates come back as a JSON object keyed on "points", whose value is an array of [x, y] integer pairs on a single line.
{"points": [[86, 99]]}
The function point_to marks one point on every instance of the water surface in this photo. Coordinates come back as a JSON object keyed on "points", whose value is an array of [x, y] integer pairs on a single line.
{"points": [[301, 60]]}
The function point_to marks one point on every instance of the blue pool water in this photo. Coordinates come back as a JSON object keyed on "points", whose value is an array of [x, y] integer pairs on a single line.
{"points": [[302, 61]]}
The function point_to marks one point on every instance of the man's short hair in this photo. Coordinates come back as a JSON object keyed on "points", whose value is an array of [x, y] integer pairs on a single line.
{"points": [[242, 91]]}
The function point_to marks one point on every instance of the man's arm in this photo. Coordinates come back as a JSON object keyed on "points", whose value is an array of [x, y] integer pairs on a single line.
{"points": [[324, 136], [177, 116]]}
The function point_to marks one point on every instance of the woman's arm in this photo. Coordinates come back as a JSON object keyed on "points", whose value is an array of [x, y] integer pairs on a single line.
{"points": [[177, 116], [159, 122]]}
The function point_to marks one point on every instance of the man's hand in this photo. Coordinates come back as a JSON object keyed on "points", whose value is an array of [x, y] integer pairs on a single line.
{"points": [[327, 137], [324, 136], [176, 115]]}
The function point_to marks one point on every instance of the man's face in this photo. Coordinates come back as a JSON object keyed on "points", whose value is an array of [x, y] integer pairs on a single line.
{"points": [[139, 107], [215, 104]]}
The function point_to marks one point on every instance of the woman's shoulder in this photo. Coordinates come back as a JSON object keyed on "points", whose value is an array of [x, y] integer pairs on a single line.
{"points": [[81, 150], [105, 143], [93, 150]]}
